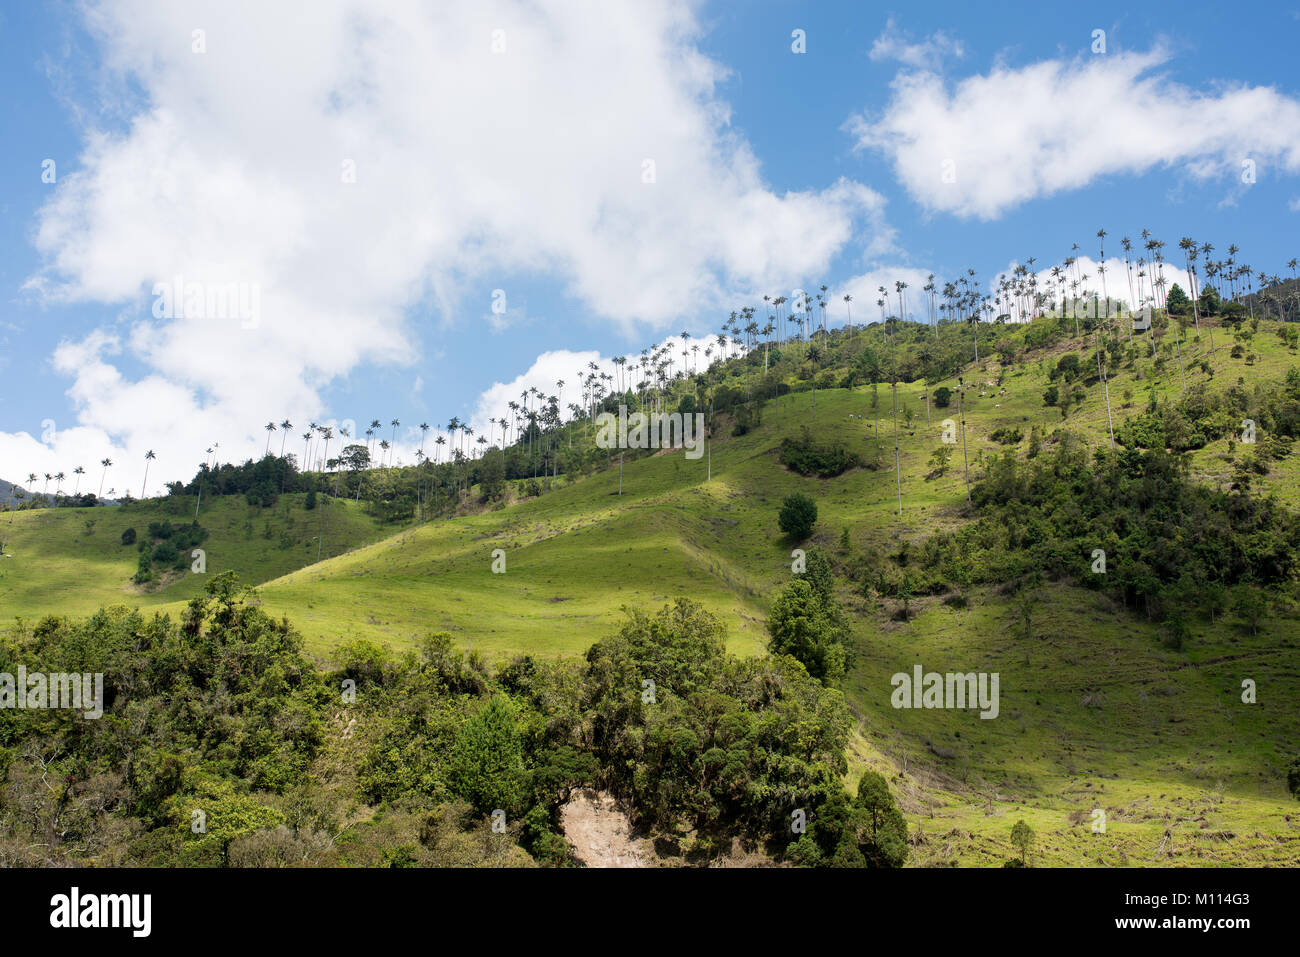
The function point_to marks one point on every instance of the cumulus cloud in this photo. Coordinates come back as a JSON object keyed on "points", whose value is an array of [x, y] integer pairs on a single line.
{"points": [[572, 368], [349, 164], [929, 54], [993, 141], [865, 290], [1120, 283]]}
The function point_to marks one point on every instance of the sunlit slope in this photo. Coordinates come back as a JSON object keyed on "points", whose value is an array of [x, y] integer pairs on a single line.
{"points": [[577, 554], [56, 565], [1095, 714]]}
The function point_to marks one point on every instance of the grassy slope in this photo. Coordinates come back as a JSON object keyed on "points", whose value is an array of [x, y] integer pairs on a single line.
{"points": [[56, 568], [1186, 773]]}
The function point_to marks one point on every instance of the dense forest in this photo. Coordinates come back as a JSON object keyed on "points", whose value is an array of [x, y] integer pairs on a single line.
{"points": [[221, 743]]}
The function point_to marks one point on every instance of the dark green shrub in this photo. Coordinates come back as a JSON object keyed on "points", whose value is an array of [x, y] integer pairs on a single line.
{"points": [[164, 553], [798, 516], [807, 457]]}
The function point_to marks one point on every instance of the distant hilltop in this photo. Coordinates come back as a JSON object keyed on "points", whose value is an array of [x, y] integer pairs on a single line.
{"points": [[9, 493]]}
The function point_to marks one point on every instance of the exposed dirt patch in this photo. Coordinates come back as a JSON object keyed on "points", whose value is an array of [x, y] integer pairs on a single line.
{"points": [[601, 834]]}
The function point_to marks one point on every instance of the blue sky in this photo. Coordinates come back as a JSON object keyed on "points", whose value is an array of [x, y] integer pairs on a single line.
{"points": [[482, 170]]}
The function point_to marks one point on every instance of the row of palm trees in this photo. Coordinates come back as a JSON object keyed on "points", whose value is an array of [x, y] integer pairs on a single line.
{"points": [[106, 463], [803, 316], [799, 318]]}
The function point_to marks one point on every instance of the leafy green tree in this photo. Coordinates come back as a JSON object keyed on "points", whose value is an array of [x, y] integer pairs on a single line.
{"points": [[803, 627], [818, 573], [883, 840], [939, 461], [696, 739], [486, 764], [798, 516], [1250, 606], [220, 814], [1177, 303], [492, 478], [1022, 836]]}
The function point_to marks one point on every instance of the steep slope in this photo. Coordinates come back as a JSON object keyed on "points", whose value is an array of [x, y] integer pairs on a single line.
{"points": [[1095, 714], [11, 493]]}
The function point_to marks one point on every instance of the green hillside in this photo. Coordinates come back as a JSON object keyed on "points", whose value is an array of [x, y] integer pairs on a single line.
{"points": [[71, 561], [1097, 710]]}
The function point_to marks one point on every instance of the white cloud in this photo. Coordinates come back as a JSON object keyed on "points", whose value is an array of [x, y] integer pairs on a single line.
{"points": [[571, 367], [470, 165], [1294, 205], [865, 290], [1120, 283], [1016, 134], [929, 54]]}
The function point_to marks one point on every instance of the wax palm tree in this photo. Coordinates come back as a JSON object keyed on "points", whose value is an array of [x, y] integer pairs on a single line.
{"points": [[424, 432], [285, 426], [898, 467], [148, 457], [270, 427], [78, 472], [58, 483], [107, 463], [926, 355], [1105, 383], [961, 418], [1188, 246], [1101, 247]]}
